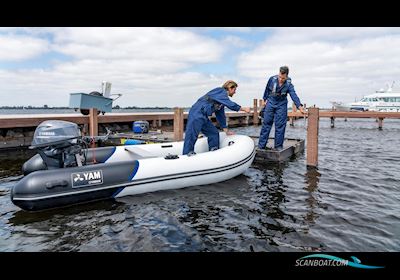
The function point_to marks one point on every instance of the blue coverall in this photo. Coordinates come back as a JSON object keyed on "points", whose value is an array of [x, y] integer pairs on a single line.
{"points": [[198, 121], [276, 109]]}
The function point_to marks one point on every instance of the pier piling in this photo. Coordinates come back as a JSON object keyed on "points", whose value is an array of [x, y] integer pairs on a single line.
{"points": [[332, 122], [380, 123], [93, 122], [154, 123], [312, 137], [291, 121], [178, 124], [255, 111]]}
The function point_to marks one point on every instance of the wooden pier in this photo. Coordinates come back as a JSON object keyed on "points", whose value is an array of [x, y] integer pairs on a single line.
{"points": [[17, 130], [156, 119], [380, 116]]}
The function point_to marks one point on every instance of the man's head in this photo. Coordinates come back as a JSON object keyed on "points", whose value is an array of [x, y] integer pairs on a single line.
{"points": [[230, 87], [283, 74]]}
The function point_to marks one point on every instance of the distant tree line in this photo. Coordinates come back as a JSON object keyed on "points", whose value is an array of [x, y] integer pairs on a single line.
{"points": [[32, 107]]}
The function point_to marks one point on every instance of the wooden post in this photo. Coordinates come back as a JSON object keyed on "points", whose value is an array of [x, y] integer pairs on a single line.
{"points": [[291, 121], [178, 124], [332, 122], [227, 121], [380, 123], [93, 122], [154, 123], [255, 112], [312, 137], [93, 126], [85, 129], [159, 123], [260, 102]]}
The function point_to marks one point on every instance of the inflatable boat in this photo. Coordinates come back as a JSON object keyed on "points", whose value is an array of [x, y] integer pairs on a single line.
{"points": [[66, 172]]}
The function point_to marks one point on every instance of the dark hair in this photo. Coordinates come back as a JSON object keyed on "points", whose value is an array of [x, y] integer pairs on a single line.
{"points": [[284, 70]]}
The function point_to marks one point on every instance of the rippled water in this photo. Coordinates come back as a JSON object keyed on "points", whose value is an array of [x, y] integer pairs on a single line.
{"points": [[351, 203]]}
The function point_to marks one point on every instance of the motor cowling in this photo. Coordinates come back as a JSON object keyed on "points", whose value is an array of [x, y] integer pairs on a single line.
{"points": [[59, 144]]}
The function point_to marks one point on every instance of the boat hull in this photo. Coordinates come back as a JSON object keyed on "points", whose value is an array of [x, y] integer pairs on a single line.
{"points": [[131, 170]]}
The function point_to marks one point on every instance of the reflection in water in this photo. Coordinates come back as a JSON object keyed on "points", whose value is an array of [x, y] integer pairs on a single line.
{"points": [[11, 162], [270, 195], [62, 229], [22, 217], [311, 179], [272, 189]]}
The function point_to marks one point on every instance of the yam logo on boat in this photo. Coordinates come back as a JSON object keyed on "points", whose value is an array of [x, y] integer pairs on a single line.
{"points": [[89, 178]]}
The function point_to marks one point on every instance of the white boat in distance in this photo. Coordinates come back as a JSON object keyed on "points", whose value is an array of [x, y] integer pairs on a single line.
{"points": [[380, 101]]}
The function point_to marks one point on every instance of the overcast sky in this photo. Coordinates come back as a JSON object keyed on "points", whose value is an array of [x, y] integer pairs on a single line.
{"points": [[175, 66]]}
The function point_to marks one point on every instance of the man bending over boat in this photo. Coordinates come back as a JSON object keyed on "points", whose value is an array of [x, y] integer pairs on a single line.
{"points": [[213, 101]]}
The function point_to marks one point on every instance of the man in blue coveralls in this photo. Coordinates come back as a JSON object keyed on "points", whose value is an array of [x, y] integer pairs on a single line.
{"points": [[213, 101], [275, 102]]}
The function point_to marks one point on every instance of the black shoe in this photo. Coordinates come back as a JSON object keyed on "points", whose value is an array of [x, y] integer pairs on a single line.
{"points": [[191, 154], [280, 148]]}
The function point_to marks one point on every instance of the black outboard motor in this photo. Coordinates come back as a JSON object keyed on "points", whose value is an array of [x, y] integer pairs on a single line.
{"points": [[59, 144], [65, 171]]}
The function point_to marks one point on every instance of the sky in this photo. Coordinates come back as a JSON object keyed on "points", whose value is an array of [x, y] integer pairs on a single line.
{"points": [[173, 67]]}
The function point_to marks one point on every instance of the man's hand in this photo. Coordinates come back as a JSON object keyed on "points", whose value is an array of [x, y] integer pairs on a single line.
{"points": [[264, 102], [301, 108], [228, 132], [245, 109]]}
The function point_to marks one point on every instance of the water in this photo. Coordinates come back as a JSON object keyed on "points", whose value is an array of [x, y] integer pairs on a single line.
{"points": [[351, 203]]}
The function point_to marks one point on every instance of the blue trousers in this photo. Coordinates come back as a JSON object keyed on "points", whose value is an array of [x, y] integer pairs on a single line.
{"points": [[200, 123], [278, 113]]}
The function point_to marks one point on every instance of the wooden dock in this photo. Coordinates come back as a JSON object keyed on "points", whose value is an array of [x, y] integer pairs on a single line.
{"points": [[17, 130], [155, 118], [379, 116]]}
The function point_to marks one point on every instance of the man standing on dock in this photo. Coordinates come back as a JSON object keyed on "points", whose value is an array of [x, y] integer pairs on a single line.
{"points": [[212, 102], [275, 102]]}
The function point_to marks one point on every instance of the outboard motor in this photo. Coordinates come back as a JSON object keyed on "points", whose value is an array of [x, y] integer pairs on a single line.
{"points": [[59, 144]]}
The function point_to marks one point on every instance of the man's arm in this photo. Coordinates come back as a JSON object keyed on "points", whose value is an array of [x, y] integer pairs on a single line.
{"points": [[267, 91], [294, 96], [221, 96], [221, 118]]}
